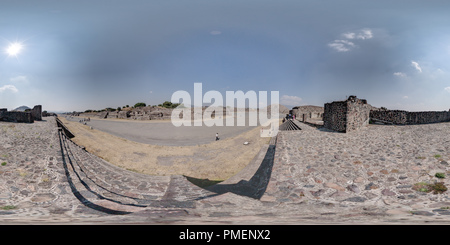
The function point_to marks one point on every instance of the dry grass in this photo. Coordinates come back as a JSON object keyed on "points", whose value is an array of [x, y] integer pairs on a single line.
{"points": [[218, 160]]}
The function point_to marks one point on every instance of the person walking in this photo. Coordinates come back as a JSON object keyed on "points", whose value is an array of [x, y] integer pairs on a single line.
{"points": [[217, 136]]}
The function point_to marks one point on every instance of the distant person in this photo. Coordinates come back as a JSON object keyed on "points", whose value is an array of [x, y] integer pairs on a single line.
{"points": [[217, 136]]}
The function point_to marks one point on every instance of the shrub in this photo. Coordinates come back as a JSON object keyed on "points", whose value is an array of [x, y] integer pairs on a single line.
{"points": [[3, 163], [421, 186], [140, 104], [8, 207], [439, 175], [438, 187], [168, 104]]}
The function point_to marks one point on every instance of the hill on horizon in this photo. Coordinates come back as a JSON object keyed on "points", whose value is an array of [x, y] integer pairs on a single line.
{"points": [[22, 108]]}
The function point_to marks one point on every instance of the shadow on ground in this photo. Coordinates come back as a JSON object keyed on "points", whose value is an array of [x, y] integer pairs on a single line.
{"points": [[203, 183], [254, 187]]}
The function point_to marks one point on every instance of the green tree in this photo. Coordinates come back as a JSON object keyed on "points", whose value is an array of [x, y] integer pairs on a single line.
{"points": [[140, 104], [168, 104]]}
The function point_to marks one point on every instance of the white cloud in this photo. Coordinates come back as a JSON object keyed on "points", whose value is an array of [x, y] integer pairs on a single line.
{"points": [[344, 45], [416, 66], [405, 97], [399, 74], [341, 45], [290, 100], [447, 89], [349, 35], [19, 79], [12, 88], [362, 34], [365, 34]]}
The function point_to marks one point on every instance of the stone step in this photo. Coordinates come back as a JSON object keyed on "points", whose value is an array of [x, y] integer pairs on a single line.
{"points": [[111, 176], [107, 188], [289, 125]]}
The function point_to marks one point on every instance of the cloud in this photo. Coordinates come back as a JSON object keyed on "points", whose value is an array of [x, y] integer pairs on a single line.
{"points": [[19, 79], [399, 74], [416, 66], [349, 35], [447, 89], [12, 88], [341, 45], [365, 34], [362, 34], [290, 100], [405, 97], [344, 45]]}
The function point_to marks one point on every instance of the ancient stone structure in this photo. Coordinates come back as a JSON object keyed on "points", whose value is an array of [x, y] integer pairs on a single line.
{"points": [[34, 114], [150, 113], [308, 113], [354, 113], [140, 113], [347, 115], [123, 114], [400, 117]]}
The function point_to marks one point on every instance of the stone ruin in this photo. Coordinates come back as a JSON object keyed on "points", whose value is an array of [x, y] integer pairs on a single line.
{"points": [[30, 116], [140, 113], [399, 117], [353, 114], [308, 113], [148, 113], [347, 115]]}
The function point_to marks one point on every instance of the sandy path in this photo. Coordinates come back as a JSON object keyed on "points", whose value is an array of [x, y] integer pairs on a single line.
{"points": [[159, 132]]}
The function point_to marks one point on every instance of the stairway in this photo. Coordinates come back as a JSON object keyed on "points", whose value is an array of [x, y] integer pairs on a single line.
{"points": [[289, 125], [113, 190]]}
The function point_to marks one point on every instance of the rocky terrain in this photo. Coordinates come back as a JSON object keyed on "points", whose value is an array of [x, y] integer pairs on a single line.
{"points": [[377, 175]]}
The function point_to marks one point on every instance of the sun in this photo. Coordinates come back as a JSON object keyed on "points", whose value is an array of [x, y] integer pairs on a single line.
{"points": [[14, 49]]}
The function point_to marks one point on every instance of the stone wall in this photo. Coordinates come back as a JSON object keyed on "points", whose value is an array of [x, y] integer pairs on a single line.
{"points": [[36, 112], [16, 116], [23, 117], [400, 117], [354, 113], [335, 116], [304, 113], [358, 113], [346, 116]]}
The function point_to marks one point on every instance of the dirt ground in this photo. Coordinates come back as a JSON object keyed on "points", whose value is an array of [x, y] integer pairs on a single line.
{"points": [[218, 160]]}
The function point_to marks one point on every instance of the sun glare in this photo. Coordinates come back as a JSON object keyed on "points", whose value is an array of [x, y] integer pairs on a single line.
{"points": [[14, 49]]}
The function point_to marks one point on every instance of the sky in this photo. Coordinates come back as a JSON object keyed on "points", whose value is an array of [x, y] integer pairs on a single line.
{"points": [[80, 55]]}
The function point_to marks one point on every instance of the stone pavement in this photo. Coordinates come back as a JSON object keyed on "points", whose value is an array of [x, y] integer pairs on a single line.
{"points": [[377, 168], [307, 176]]}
